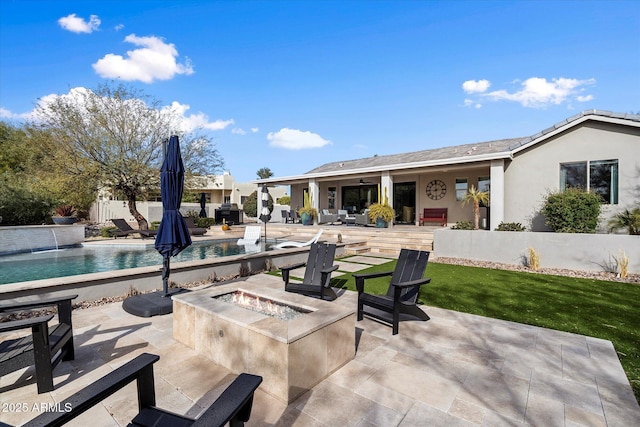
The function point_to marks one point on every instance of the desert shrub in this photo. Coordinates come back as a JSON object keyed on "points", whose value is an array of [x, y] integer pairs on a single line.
{"points": [[510, 226], [20, 206], [626, 219], [533, 259], [253, 204], [572, 211], [205, 222], [154, 225], [284, 200], [463, 225], [108, 231]]}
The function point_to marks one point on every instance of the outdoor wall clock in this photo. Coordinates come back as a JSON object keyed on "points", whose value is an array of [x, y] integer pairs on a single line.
{"points": [[436, 189]]}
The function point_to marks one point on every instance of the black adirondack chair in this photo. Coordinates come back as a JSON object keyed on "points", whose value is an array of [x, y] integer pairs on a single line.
{"points": [[233, 406], [400, 301], [317, 274], [45, 347]]}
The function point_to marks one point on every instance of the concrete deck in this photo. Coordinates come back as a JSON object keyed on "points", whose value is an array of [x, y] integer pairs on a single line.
{"points": [[455, 370]]}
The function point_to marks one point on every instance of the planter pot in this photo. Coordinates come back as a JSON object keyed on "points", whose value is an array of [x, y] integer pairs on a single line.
{"points": [[306, 219], [381, 223], [64, 220]]}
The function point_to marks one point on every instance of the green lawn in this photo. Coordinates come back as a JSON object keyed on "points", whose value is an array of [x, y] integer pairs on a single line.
{"points": [[607, 310]]}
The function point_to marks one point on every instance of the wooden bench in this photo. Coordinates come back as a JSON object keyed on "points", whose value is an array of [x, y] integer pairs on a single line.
{"points": [[45, 347], [438, 215], [233, 406]]}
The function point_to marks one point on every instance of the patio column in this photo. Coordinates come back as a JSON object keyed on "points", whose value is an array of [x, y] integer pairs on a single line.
{"points": [[386, 181], [314, 190], [497, 193]]}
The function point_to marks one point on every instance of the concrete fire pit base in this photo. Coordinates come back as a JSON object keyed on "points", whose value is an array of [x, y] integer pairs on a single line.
{"points": [[292, 356]]}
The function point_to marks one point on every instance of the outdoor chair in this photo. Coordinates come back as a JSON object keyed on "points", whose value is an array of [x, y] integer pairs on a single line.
{"points": [[194, 230], [233, 406], [399, 303], [295, 218], [251, 235], [46, 347], [317, 274], [345, 218], [124, 229], [326, 216], [286, 217], [291, 244]]}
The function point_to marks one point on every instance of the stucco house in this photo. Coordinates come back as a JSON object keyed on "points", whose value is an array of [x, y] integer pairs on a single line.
{"points": [[595, 149]]}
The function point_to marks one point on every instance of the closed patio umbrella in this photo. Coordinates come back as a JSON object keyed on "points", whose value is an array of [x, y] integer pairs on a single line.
{"points": [[265, 213], [203, 205], [173, 234]]}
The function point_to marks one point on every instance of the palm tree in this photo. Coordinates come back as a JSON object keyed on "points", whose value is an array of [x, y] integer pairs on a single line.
{"points": [[477, 197], [626, 219]]}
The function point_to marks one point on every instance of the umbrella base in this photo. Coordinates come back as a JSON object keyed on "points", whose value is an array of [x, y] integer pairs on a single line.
{"points": [[152, 304]]}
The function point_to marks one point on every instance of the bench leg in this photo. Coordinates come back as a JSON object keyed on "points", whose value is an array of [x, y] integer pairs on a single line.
{"points": [[42, 357]]}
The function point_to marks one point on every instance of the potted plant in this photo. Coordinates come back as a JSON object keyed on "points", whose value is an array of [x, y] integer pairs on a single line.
{"points": [[64, 215], [382, 213], [307, 211]]}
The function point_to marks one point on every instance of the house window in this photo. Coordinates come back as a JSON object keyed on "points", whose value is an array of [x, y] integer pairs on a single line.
{"points": [[461, 188], [484, 183], [599, 176], [332, 197]]}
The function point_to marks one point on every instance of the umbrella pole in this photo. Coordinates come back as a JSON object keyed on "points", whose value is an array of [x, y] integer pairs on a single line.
{"points": [[166, 270]]}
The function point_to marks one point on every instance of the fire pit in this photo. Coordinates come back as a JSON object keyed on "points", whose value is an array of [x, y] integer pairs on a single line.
{"points": [[292, 354], [266, 306]]}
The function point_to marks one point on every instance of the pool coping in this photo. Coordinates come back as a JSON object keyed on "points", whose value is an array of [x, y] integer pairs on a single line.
{"points": [[96, 286]]}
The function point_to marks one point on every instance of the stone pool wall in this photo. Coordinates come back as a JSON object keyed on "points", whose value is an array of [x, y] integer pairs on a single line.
{"points": [[107, 284], [30, 238]]}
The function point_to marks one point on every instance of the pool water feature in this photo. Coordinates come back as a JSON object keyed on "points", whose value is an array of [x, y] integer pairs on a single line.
{"points": [[99, 258]]}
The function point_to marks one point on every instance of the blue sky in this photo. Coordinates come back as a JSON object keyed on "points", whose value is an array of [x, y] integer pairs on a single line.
{"points": [[291, 85]]}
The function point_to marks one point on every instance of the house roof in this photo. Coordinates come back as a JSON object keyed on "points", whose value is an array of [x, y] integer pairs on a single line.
{"points": [[467, 153]]}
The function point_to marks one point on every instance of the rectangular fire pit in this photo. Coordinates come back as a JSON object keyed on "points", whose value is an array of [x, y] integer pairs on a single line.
{"points": [[291, 355]]}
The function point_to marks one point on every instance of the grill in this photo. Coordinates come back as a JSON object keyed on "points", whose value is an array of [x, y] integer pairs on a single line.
{"points": [[229, 213]]}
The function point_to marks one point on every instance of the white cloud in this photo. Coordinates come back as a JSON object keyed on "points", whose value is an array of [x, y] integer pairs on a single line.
{"points": [[118, 27], [537, 92], [153, 60], [239, 131], [473, 86], [294, 139], [76, 24], [7, 114], [254, 130], [472, 103], [584, 98], [200, 120]]}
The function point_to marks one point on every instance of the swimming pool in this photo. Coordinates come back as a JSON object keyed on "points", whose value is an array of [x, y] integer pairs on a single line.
{"points": [[93, 259]]}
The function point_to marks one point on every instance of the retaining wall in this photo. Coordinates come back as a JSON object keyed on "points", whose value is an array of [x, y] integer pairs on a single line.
{"points": [[586, 252]]}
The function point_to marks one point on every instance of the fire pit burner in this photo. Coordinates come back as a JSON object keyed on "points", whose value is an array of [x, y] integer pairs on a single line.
{"points": [[262, 305]]}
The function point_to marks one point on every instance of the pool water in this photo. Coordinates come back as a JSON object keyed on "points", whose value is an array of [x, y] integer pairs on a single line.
{"points": [[93, 259]]}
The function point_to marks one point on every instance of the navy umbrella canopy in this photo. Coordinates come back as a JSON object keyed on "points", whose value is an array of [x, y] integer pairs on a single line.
{"points": [[173, 234]]}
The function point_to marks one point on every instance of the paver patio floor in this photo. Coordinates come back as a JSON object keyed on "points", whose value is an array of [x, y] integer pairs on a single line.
{"points": [[456, 370]]}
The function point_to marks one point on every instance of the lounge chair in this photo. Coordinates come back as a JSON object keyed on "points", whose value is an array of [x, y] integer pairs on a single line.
{"points": [[194, 230], [295, 218], [233, 406], [317, 274], [124, 229], [291, 244], [45, 347], [400, 301], [251, 235]]}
